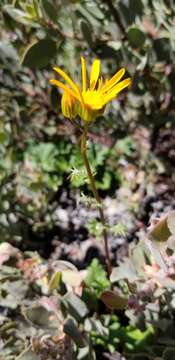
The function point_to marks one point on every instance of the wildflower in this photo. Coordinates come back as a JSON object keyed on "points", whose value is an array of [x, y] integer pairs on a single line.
{"points": [[90, 101]]}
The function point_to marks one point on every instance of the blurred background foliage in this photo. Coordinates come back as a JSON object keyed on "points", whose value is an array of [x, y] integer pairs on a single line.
{"points": [[44, 191], [39, 151]]}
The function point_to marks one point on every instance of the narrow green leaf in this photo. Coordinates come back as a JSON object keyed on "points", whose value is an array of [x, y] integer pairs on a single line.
{"points": [[18, 15], [50, 10], [55, 281], [87, 30]]}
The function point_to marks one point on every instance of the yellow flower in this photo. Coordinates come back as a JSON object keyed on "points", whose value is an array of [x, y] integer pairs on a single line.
{"points": [[90, 101], [68, 105]]}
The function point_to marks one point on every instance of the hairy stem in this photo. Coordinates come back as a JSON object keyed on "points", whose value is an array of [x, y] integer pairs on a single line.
{"points": [[96, 196]]}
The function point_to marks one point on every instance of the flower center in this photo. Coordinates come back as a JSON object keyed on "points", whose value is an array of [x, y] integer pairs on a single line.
{"points": [[93, 99]]}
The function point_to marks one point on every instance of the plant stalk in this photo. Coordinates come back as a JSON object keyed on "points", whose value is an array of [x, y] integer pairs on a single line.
{"points": [[96, 196]]}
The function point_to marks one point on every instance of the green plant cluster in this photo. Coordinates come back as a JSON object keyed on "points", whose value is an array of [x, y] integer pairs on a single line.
{"points": [[56, 310], [61, 313]]}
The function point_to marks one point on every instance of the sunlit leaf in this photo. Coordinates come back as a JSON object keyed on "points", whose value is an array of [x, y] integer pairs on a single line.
{"points": [[76, 307], [160, 231], [55, 281], [113, 300]]}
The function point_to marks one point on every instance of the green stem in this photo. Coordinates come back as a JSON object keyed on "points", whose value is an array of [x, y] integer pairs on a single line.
{"points": [[96, 195]]}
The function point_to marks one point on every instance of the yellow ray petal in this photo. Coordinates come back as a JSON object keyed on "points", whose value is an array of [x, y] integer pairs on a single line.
{"points": [[65, 88], [116, 89], [114, 80], [94, 73], [83, 66], [68, 105], [67, 79]]}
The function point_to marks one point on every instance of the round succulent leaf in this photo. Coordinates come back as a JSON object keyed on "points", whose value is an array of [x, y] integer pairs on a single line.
{"points": [[38, 315], [75, 306], [136, 37], [113, 300], [39, 54]]}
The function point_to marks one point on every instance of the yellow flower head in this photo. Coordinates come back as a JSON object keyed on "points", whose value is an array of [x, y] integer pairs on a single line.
{"points": [[90, 101]]}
